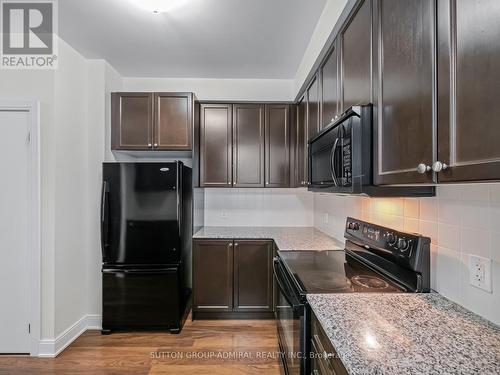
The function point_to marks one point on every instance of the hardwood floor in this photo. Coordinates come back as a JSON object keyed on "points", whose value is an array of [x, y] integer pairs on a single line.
{"points": [[204, 347]]}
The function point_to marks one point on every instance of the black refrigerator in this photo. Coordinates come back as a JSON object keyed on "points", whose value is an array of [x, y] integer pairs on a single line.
{"points": [[146, 230]]}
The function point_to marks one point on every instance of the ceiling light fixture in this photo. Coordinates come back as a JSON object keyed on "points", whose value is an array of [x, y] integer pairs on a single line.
{"points": [[160, 6]]}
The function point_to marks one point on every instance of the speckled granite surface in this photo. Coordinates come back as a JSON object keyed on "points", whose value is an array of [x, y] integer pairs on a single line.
{"points": [[286, 238], [407, 334]]}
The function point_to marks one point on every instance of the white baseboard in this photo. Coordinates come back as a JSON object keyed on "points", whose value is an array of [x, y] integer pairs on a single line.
{"points": [[50, 348]]}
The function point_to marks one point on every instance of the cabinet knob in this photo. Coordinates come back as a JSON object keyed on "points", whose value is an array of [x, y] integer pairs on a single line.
{"points": [[229, 183], [155, 145], [150, 145], [235, 244], [423, 168], [439, 166]]}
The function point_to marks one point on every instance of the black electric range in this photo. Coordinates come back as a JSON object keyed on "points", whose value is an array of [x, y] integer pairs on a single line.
{"points": [[333, 271], [375, 260]]}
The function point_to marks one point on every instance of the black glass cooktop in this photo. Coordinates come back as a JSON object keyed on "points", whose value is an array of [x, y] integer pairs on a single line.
{"points": [[334, 271]]}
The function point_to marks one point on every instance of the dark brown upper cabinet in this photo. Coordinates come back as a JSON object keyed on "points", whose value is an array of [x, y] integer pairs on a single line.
{"points": [[213, 275], [132, 121], [468, 81], [299, 173], [313, 108], [356, 40], [216, 123], [152, 121], [330, 88], [243, 143], [404, 95], [253, 276], [173, 121], [277, 145], [248, 145]]}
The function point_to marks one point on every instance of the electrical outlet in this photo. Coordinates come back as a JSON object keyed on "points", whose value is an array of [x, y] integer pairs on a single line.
{"points": [[223, 213], [325, 218], [480, 272]]}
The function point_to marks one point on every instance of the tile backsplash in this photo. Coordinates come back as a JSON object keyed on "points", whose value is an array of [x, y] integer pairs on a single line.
{"points": [[258, 207], [461, 220]]}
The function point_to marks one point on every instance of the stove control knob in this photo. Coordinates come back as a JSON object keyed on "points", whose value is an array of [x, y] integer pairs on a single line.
{"points": [[403, 244], [391, 239], [353, 226]]}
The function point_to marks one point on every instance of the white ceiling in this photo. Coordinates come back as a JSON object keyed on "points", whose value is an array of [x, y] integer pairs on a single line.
{"points": [[203, 39]]}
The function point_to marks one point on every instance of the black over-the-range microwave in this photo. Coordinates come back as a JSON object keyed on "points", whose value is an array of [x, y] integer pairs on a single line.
{"points": [[341, 159]]}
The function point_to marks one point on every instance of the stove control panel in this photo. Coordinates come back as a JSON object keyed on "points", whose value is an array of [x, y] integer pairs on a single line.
{"points": [[404, 256], [398, 243]]}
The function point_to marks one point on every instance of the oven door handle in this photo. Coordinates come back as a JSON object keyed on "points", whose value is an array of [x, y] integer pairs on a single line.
{"points": [[333, 154], [295, 306]]}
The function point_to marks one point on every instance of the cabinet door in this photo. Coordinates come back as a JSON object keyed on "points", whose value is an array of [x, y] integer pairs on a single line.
{"points": [[277, 146], [301, 144], [330, 105], [404, 112], [356, 58], [213, 275], [132, 121], [215, 145], [313, 108], [253, 275], [248, 145], [173, 121], [469, 79]]}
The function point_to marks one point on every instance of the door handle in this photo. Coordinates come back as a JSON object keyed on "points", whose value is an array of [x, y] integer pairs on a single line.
{"points": [[295, 306], [104, 217], [439, 166], [179, 201], [332, 161], [423, 168]]}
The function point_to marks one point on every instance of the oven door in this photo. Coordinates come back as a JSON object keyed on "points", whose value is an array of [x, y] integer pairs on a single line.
{"points": [[291, 323]]}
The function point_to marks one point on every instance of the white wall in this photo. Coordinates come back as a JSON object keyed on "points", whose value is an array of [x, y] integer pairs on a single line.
{"points": [[461, 220], [113, 82], [39, 85], [258, 207], [71, 193], [72, 134], [218, 89], [322, 31]]}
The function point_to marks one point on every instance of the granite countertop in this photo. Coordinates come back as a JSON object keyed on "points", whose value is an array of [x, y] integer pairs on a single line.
{"points": [[286, 238], [407, 334]]}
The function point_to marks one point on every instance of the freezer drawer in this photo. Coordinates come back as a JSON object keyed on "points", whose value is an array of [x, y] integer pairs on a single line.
{"points": [[141, 299]]}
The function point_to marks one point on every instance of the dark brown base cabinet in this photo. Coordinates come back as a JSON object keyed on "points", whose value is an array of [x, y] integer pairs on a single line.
{"points": [[146, 121], [232, 278], [324, 359]]}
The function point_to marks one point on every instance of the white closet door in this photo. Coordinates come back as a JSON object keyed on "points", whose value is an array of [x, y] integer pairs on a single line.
{"points": [[14, 231]]}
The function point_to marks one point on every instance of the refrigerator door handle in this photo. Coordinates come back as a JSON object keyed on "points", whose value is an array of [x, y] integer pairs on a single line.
{"points": [[139, 270], [104, 218], [179, 201]]}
